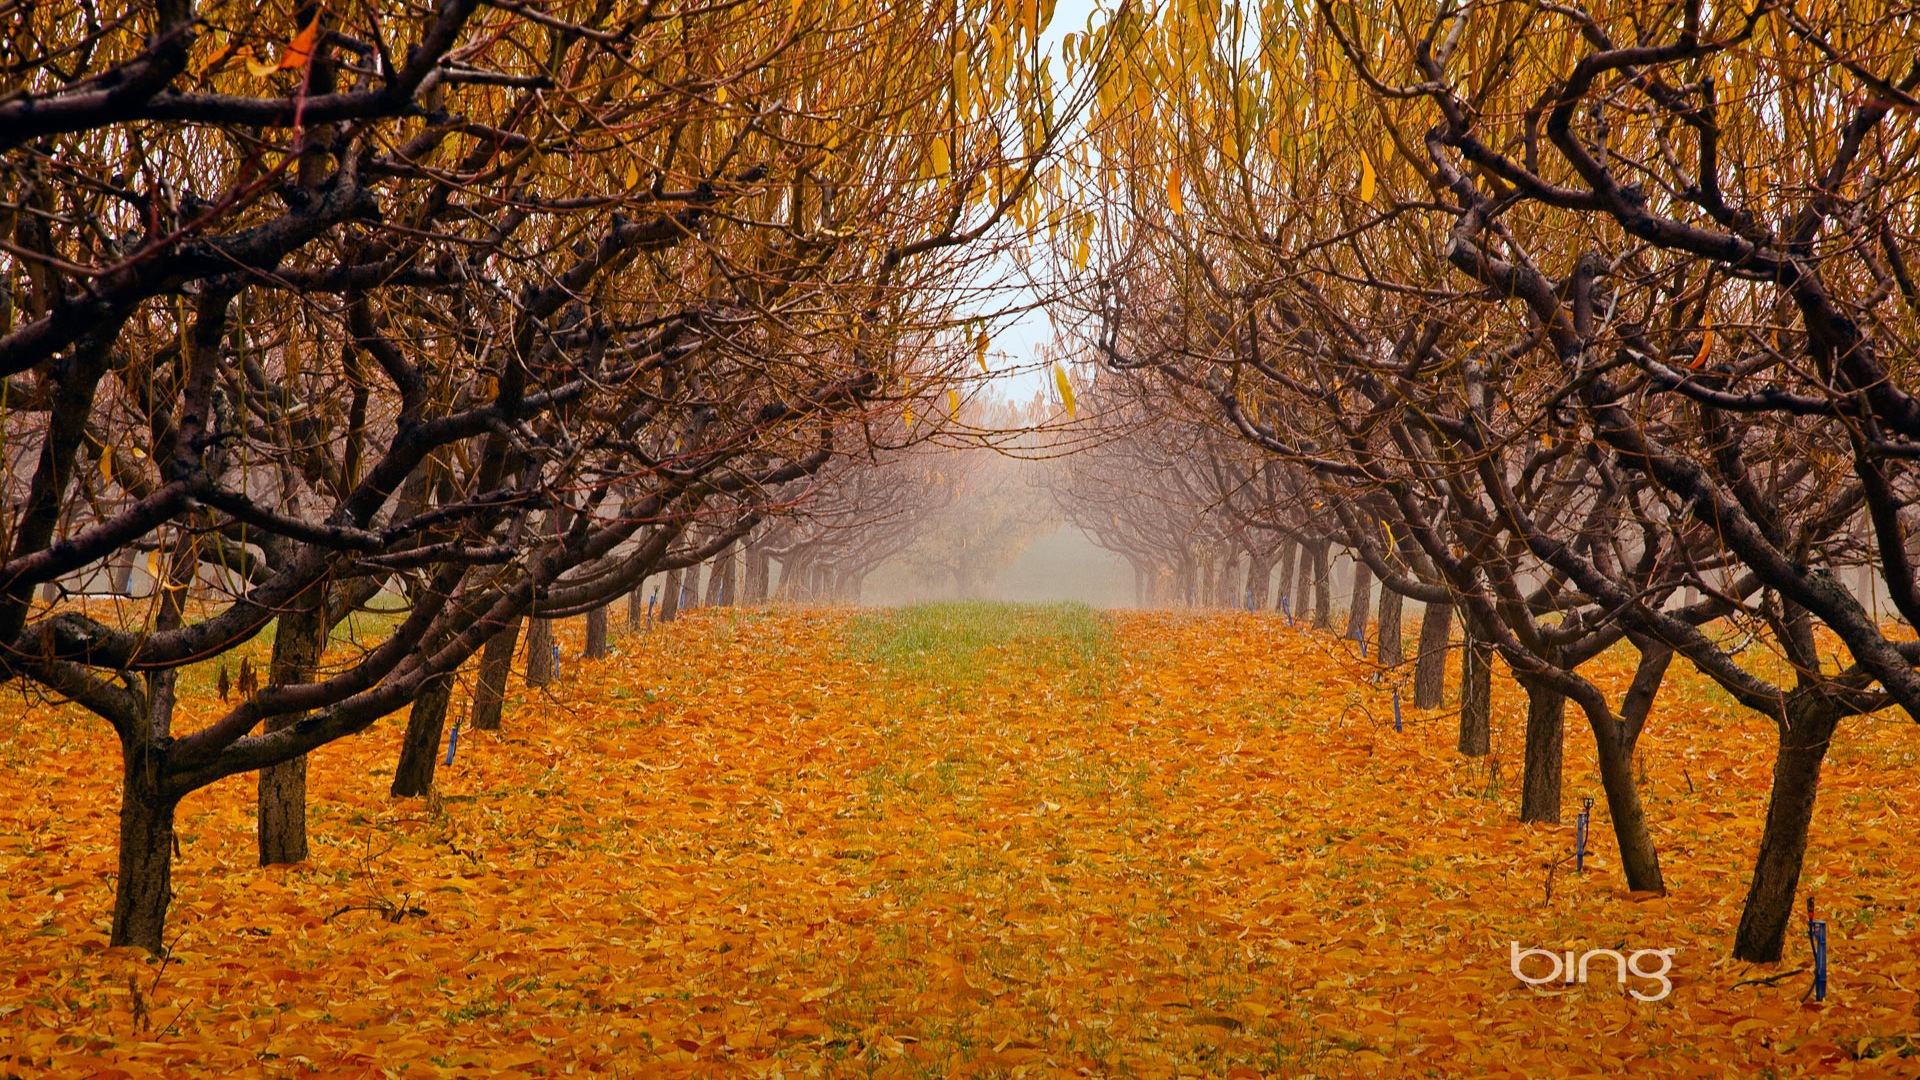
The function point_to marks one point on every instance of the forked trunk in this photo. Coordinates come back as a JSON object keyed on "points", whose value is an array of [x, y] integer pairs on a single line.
{"points": [[1783, 843]]}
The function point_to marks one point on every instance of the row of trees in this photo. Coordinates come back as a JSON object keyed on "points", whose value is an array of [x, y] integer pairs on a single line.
{"points": [[1595, 324], [476, 313]]}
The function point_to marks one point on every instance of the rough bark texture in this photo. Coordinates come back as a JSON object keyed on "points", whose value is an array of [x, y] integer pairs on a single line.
{"points": [[1430, 670], [1360, 602], [144, 886], [1783, 843], [596, 647], [1476, 696], [420, 750], [1283, 597], [1391, 648], [1546, 737], [541, 666], [490, 689], [670, 596], [281, 802]]}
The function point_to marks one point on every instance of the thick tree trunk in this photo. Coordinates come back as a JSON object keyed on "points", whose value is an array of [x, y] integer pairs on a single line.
{"points": [[1639, 860], [1302, 596], [1430, 669], [1360, 601], [144, 886], [1783, 843], [716, 581], [670, 596], [298, 640], [1476, 696], [596, 648], [420, 750], [1546, 737], [1323, 587], [1283, 596], [490, 689], [1392, 648], [540, 652]]}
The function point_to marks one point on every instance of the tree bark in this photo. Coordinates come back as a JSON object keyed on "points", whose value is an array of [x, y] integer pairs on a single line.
{"points": [[1259, 582], [596, 648], [281, 802], [1430, 670], [1322, 587], [1283, 595], [637, 609], [540, 646], [420, 750], [1783, 843], [670, 596], [1639, 860], [490, 689], [759, 576], [1360, 601], [1476, 696], [144, 887], [1392, 647], [1546, 739]]}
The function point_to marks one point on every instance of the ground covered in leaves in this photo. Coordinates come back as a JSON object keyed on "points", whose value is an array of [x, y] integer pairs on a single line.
{"points": [[964, 840]]}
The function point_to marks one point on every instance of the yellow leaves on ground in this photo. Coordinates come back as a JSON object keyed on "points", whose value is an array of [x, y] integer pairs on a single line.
{"points": [[763, 844]]}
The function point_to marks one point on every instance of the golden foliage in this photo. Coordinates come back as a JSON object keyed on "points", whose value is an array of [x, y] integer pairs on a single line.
{"points": [[746, 845]]}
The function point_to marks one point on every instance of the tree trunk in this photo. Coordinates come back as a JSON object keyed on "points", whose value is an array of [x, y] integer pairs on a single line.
{"points": [[636, 610], [1783, 843], [1392, 647], [540, 652], [1360, 601], [1301, 593], [420, 750], [1639, 860], [144, 886], [596, 648], [1323, 587], [670, 596], [1546, 737], [1430, 670], [1476, 696], [490, 689], [298, 640], [759, 573], [1259, 583], [716, 581]]}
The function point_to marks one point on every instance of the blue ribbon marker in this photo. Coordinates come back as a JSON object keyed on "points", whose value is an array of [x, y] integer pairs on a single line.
{"points": [[556, 659], [1817, 936], [453, 740], [651, 600], [1286, 609], [1580, 835], [1362, 639], [1396, 711]]}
